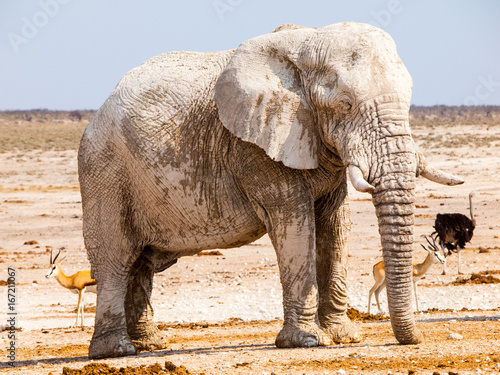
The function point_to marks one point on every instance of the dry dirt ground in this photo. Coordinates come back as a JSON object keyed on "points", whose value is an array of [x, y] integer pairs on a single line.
{"points": [[221, 312]]}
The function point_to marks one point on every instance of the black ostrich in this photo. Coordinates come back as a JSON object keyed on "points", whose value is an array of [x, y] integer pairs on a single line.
{"points": [[454, 231]]}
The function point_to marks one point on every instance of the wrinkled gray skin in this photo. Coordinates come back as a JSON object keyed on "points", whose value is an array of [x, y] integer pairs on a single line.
{"points": [[196, 151]]}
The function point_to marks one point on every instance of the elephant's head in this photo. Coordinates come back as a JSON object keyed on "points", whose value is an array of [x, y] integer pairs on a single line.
{"points": [[345, 88]]}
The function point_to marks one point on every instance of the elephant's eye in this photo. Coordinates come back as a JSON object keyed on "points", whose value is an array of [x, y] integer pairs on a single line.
{"points": [[345, 106]]}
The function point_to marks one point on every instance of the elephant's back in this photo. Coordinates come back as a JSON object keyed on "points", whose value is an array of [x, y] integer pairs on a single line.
{"points": [[155, 103], [170, 81]]}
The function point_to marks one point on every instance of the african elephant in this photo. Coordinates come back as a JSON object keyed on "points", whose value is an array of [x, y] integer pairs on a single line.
{"points": [[195, 151]]}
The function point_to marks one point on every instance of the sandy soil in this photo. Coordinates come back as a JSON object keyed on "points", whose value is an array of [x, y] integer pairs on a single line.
{"points": [[237, 295]]}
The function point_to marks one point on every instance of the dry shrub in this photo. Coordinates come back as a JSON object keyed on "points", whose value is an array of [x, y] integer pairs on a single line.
{"points": [[461, 115], [477, 278], [42, 130]]}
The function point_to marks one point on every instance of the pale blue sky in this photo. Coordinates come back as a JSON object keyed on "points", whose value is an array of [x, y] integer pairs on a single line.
{"points": [[69, 54]]}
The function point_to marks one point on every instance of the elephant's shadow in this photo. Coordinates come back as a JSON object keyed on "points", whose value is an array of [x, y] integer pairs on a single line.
{"points": [[167, 353], [215, 350], [145, 354]]}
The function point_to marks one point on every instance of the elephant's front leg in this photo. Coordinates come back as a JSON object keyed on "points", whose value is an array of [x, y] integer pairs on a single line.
{"points": [[139, 312], [293, 240], [333, 224]]}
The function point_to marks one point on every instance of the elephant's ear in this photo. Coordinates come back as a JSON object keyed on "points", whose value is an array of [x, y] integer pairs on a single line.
{"points": [[260, 99]]}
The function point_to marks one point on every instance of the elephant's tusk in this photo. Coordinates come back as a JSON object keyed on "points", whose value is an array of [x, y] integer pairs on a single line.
{"points": [[358, 181], [433, 174], [440, 177]]}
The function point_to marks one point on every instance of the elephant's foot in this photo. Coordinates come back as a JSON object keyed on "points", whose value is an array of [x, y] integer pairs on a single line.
{"points": [[302, 336], [149, 338], [111, 344], [342, 330]]}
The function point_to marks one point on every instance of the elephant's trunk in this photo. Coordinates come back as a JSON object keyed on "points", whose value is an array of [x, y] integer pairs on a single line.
{"points": [[392, 173], [394, 209], [388, 171]]}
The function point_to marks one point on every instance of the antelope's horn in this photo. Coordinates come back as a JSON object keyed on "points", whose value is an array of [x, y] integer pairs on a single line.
{"points": [[56, 256], [432, 246]]}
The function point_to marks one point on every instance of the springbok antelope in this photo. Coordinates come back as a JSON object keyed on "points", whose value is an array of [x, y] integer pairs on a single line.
{"points": [[419, 270], [80, 283]]}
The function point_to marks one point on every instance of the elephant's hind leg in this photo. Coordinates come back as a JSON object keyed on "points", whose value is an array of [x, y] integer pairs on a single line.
{"points": [[110, 338], [112, 235], [139, 312], [112, 255], [333, 221]]}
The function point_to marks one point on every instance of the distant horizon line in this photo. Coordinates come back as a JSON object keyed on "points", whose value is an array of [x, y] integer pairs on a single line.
{"points": [[94, 110]]}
